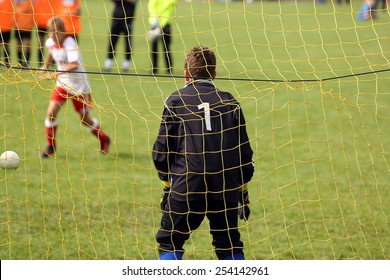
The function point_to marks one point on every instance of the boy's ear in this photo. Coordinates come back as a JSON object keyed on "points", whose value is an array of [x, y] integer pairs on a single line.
{"points": [[186, 75]]}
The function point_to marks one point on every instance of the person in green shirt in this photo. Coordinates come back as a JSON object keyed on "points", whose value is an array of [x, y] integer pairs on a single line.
{"points": [[160, 16]]}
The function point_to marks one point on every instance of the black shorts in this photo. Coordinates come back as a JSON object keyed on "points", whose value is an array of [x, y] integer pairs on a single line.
{"points": [[180, 218], [22, 34], [5, 37], [42, 31], [119, 26]]}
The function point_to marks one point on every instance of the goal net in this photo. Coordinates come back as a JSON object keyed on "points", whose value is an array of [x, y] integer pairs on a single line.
{"points": [[313, 82]]}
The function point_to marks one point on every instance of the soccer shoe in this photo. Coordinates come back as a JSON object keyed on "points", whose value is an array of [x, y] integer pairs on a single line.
{"points": [[169, 256], [104, 146], [108, 63], [25, 65], [47, 152], [235, 257], [126, 64]]}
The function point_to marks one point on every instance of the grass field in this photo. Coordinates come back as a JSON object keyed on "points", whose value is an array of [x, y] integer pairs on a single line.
{"points": [[321, 188]]}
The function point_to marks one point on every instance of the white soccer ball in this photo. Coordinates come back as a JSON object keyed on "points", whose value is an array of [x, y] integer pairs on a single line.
{"points": [[9, 160]]}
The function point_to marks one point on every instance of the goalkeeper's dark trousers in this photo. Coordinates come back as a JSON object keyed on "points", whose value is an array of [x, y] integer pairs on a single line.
{"points": [[180, 218]]}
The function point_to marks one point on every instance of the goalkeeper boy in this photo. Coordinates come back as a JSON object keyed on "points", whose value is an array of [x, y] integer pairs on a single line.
{"points": [[204, 158]]}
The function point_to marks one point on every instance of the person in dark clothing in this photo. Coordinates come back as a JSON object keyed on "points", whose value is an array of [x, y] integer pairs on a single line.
{"points": [[122, 22], [204, 159]]}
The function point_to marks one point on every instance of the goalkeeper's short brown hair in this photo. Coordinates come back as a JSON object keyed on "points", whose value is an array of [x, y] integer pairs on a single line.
{"points": [[200, 62]]}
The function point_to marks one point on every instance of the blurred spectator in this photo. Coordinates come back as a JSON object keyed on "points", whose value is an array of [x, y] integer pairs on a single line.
{"points": [[368, 10], [160, 15], [43, 11], [6, 24], [70, 12], [24, 23], [122, 22]]}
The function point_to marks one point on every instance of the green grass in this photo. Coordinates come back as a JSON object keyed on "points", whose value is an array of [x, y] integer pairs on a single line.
{"points": [[321, 188]]}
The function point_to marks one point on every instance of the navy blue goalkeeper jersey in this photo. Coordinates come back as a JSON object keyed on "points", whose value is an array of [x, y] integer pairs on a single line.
{"points": [[202, 148]]}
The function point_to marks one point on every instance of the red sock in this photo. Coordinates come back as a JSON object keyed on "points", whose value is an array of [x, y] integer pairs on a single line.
{"points": [[98, 132]]}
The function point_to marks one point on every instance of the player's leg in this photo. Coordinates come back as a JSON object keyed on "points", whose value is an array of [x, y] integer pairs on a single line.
{"points": [[23, 39], [223, 217], [58, 98], [167, 47], [178, 220], [113, 40], [19, 46], [82, 106], [154, 55], [5, 38], [128, 30], [41, 43]]}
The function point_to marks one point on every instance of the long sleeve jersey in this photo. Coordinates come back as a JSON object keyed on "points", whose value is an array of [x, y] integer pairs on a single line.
{"points": [[202, 147]]}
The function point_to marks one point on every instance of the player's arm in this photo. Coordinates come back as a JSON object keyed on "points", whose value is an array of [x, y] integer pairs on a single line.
{"points": [[247, 167], [243, 203], [68, 68], [246, 152], [164, 146], [46, 65], [43, 71], [162, 152], [71, 66], [76, 11], [161, 156]]}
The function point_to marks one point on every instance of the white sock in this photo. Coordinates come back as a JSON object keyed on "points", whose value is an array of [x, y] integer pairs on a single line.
{"points": [[95, 124], [126, 64]]}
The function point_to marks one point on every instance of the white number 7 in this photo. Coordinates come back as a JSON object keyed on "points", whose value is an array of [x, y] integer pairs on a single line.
{"points": [[206, 107]]}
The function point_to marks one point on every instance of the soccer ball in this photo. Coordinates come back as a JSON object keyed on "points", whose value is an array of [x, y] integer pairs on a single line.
{"points": [[9, 160]]}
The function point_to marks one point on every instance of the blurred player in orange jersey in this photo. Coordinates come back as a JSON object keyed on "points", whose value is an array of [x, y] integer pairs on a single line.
{"points": [[6, 24], [24, 23], [43, 11], [70, 12]]}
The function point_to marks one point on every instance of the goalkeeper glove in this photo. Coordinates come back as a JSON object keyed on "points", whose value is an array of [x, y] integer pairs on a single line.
{"points": [[244, 205], [155, 24], [164, 197]]}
